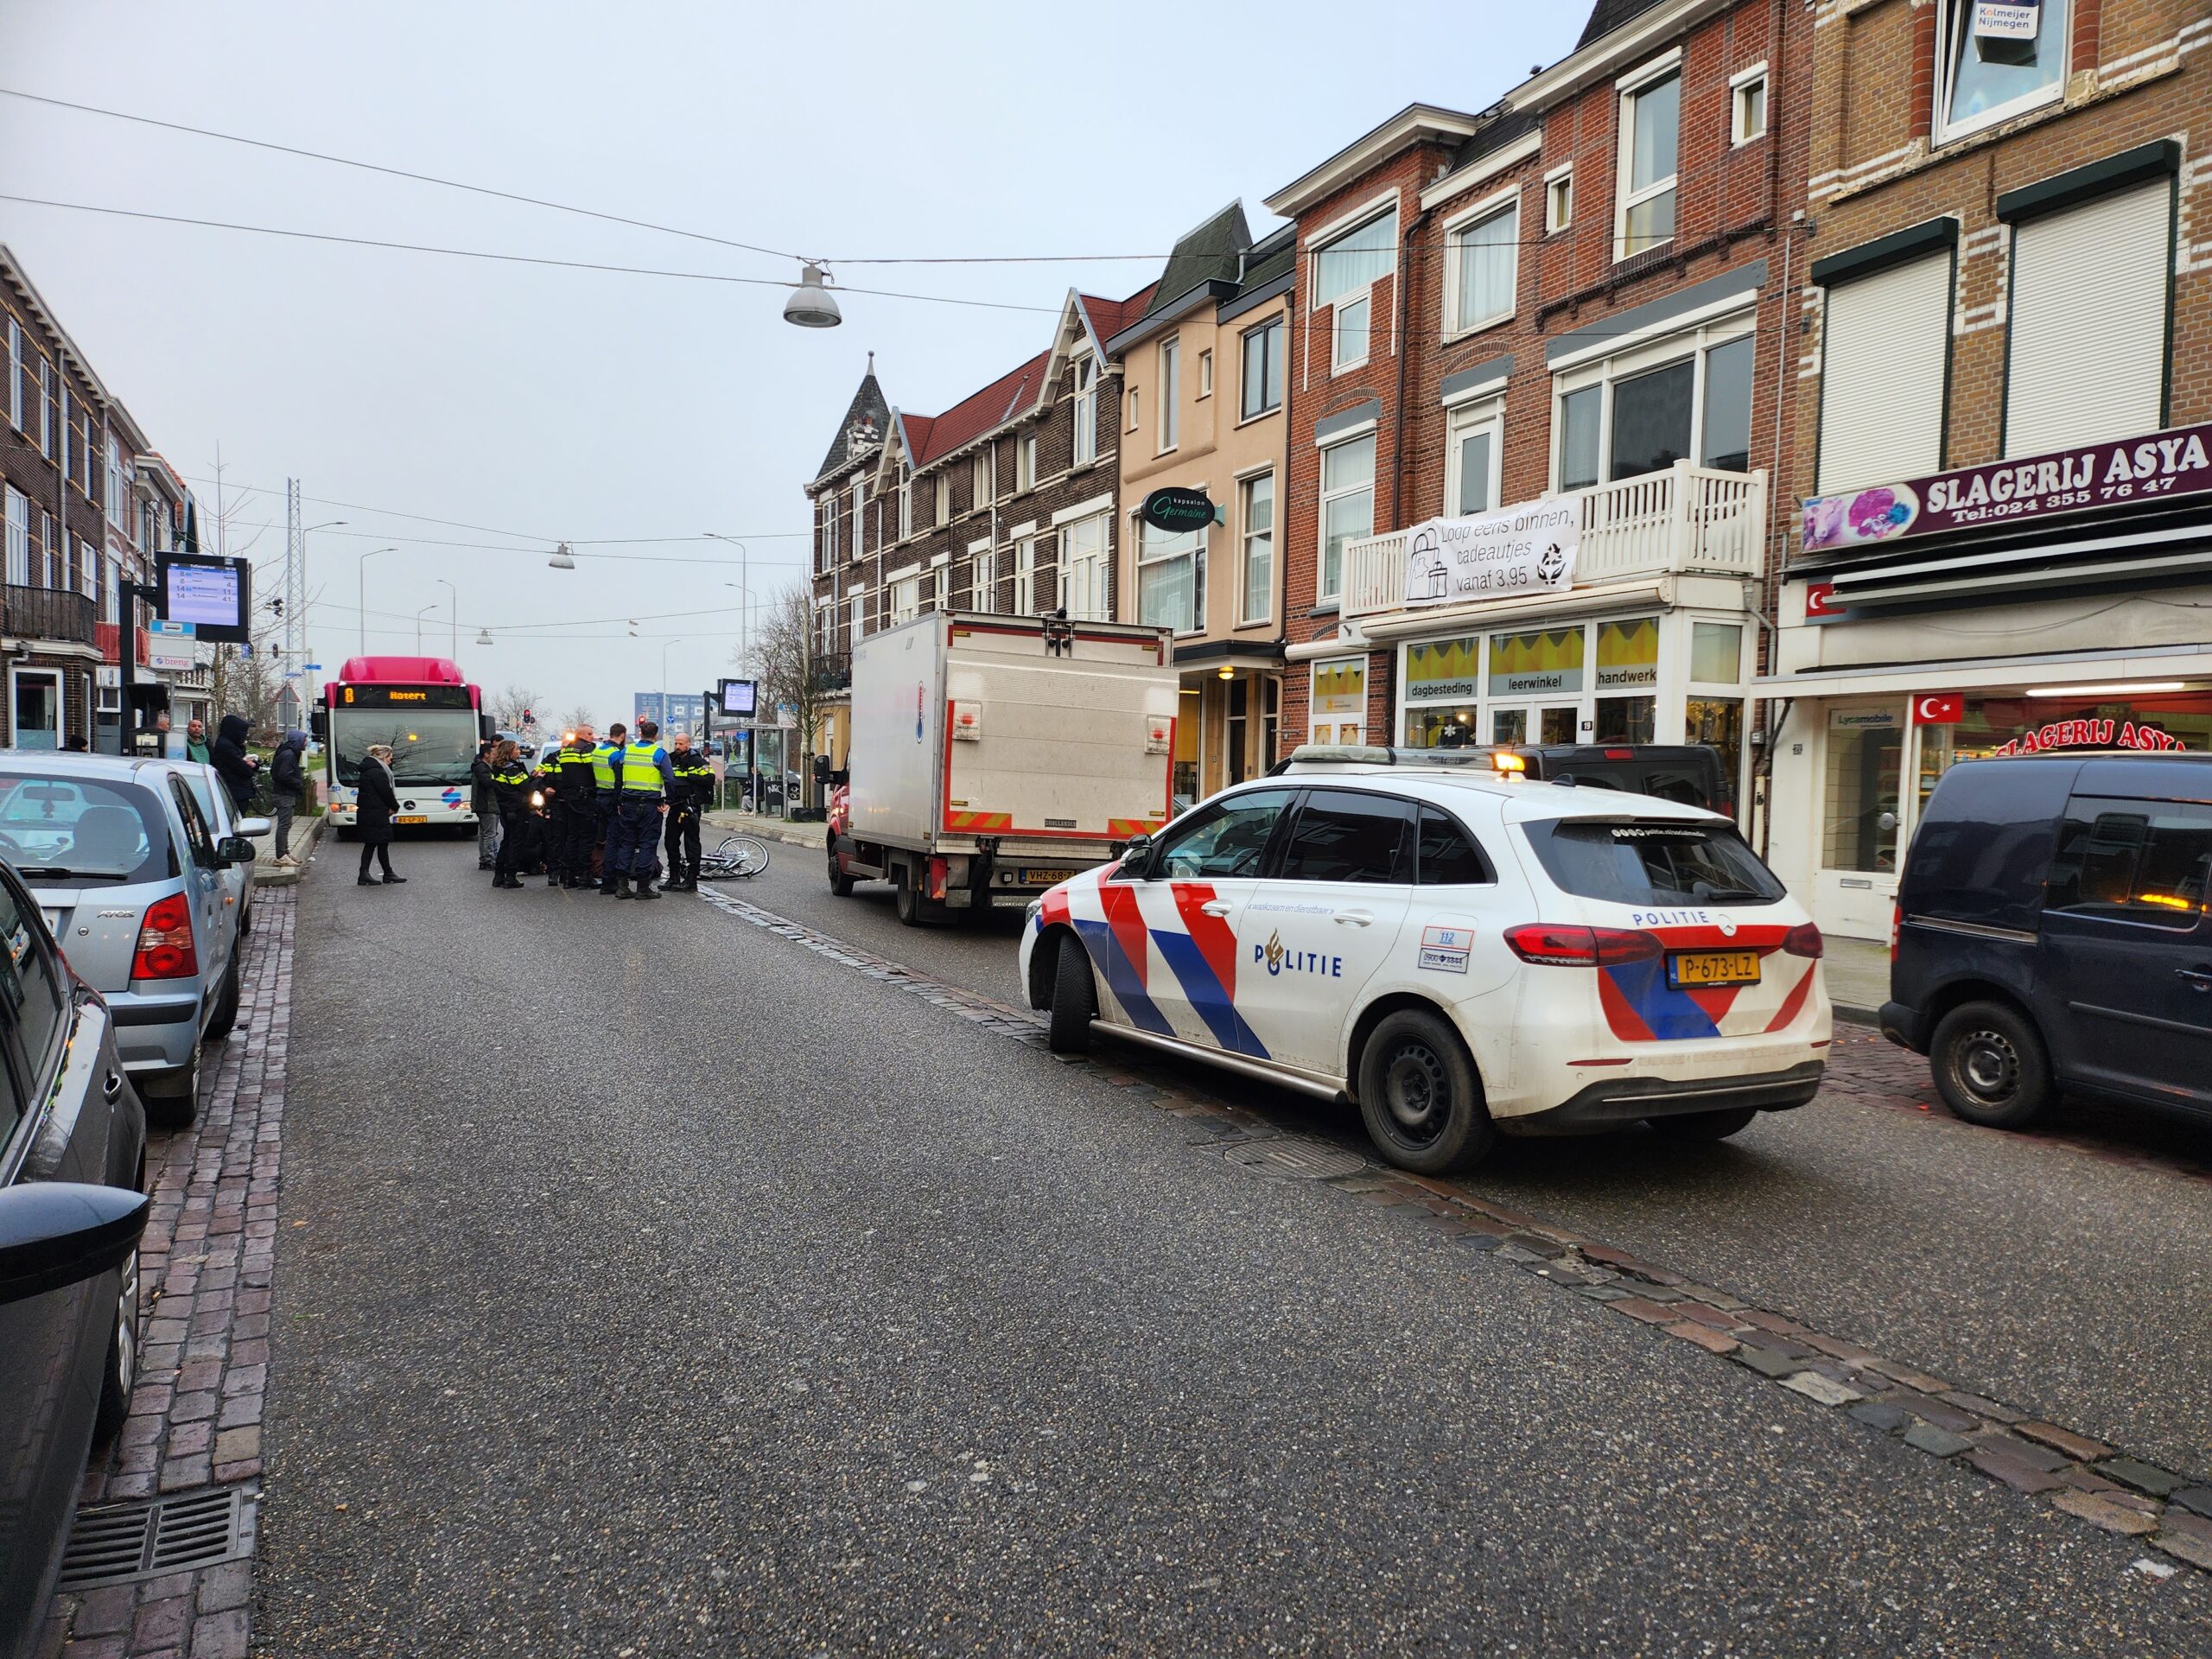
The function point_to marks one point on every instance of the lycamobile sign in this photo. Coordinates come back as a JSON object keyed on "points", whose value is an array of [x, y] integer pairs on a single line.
{"points": [[2096, 477]]}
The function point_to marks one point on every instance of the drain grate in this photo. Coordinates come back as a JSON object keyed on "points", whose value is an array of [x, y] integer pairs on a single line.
{"points": [[1288, 1158], [118, 1542]]}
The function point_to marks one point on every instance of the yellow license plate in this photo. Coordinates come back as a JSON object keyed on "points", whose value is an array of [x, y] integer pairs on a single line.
{"points": [[1696, 967], [1045, 878], [418, 817]]}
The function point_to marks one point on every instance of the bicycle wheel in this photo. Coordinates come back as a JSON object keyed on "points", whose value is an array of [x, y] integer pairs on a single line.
{"points": [[748, 855]]}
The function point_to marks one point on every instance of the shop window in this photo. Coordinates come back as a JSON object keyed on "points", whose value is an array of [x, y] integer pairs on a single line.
{"points": [[1719, 721], [1716, 654], [1191, 717], [1440, 728], [1628, 720], [1866, 761], [2134, 862], [1997, 58], [1628, 654], [1544, 664], [1339, 710], [1509, 726]]}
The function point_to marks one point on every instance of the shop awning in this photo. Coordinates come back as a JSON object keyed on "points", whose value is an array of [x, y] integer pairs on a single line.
{"points": [[2187, 663]]}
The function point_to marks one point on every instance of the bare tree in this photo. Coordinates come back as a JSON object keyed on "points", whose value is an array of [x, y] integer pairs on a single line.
{"points": [[578, 719], [511, 704], [784, 660]]}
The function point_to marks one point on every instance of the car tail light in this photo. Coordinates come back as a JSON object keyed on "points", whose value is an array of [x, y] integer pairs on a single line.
{"points": [[937, 874], [1620, 755], [1896, 926], [165, 948], [1802, 941], [1582, 947]]}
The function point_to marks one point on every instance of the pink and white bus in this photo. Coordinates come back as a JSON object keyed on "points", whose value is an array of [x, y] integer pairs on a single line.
{"points": [[432, 717]]}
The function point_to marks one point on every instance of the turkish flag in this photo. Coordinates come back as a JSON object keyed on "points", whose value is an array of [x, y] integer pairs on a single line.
{"points": [[1820, 602], [1939, 708]]}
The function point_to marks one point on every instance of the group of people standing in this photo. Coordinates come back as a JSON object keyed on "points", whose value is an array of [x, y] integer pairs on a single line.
{"points": [[594, 813]]}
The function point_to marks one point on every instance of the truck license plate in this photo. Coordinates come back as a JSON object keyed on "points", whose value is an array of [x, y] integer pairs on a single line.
{"points": [[1691, 968], [1045, 878], [416, 817]]}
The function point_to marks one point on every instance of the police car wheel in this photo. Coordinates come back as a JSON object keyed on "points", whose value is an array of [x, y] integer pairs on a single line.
{"points": [[1420, 1097], [1075, 999]]}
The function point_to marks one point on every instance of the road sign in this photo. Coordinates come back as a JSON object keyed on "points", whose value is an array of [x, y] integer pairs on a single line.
{"points": [[312, 668]]}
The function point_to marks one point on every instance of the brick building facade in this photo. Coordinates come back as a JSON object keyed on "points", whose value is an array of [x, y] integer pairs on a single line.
{"points": [[1580, 298], [2005, 388]]}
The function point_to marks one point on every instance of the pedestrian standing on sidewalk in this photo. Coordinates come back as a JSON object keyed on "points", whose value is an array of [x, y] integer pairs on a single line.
{"points": [[195, 742], [485, 803], [691, 785], [284, 782], [238, 770], [376, 804]]}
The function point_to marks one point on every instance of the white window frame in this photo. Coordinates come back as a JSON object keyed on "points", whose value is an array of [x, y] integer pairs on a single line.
{"points": [[15, 508], [1024, 577], [1086, 447], [829, 530], [1559, 199], [1086, 584], [88, 569], [1205, 372], [1628, 89], [1129, 396], [1741, 86], [1385, 207], [1202, 538], [1505, 203], [1024, 463], [944, 502], [45, 408], [983, 576], [1280, 324], [859, 624], [860, 517], [981, 482], [1461, 424], [1945, 131], [905, 503], [1322, 593], [1244, 535], [905, 595], [1171, 392], [15, 374], [1693, 343]]}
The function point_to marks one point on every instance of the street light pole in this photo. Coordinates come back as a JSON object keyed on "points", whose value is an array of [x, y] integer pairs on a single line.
{"points": [[419, 615], [361, 615], [745, 655], [663, 681]]}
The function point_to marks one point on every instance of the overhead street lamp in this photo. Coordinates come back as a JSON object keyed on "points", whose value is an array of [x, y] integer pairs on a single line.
{"points": [[484, 636], [361, 570], [562, 559], [812, 305]]}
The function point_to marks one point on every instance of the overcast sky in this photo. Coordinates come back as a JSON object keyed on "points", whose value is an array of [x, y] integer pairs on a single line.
{"points": [[602, 409]]}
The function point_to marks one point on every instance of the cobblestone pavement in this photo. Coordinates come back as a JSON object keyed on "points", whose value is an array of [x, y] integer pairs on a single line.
{"points": [[2170, 1510], [195, 1414]]}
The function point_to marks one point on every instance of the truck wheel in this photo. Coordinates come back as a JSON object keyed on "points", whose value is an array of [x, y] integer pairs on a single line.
{"points": [[1990, 1066], [909, 891], [840, 883], [1075, 999], [1420, 1097]]}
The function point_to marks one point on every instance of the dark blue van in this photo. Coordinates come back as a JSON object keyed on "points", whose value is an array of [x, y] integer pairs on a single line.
{"points": [[2055, 933]]}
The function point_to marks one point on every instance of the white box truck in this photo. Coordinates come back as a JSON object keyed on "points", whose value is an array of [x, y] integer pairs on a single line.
{"points": [[992, 757]]}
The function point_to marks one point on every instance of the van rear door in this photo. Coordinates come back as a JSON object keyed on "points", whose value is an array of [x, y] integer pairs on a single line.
{"points": [[2126, 948]]}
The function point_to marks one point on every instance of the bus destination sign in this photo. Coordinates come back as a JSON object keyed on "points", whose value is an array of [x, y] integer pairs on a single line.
{"points": [[403, 696]]}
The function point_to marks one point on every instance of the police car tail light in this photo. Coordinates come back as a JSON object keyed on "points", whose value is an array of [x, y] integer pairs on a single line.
{"points": [[165, 948], [1581, 947], [1803, 941]]}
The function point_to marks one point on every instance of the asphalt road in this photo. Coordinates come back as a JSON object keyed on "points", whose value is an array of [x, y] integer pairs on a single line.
{"points": [[599, 1332]]}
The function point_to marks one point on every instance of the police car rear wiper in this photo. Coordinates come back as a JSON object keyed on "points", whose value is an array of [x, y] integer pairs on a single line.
{"points": [[28, 870], [1704, 894]]}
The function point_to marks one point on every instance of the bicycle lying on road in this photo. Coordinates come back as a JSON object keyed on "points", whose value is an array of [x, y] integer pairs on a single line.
{"points": [[735, 859]]}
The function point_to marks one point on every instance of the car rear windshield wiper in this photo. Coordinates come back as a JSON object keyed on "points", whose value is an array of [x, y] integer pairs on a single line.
{"points": [[32, 871], [1725, 895]]}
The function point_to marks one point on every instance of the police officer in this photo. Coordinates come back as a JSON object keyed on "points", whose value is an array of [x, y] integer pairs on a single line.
{"points": [[643, 778], [576, 813], [692, 787], [511, 788], [544, 796], [604, 791]]}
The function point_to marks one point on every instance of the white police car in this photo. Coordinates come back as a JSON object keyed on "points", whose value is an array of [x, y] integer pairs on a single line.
{"points": [[1460, 953]]}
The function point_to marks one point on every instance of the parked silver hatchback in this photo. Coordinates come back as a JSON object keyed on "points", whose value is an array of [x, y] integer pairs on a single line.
{"points": [[134, 886]]}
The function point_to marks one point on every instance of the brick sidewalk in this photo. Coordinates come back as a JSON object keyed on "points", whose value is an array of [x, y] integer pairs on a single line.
{"points": [[205, 1263]]}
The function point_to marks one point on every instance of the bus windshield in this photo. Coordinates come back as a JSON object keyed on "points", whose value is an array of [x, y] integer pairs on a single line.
{"points": [[428, 746]]}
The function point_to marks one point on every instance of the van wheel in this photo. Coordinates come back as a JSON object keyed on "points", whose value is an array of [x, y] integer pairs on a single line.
{"points": [[1990, 1066], [1705, 1126], [1420, 1097], [840, 883], [1075, 999]]}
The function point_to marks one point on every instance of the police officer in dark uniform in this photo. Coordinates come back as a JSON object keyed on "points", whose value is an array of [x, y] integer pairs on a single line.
{"points": [[575, 823], [691, 787], [511, 787], [544, 789]]}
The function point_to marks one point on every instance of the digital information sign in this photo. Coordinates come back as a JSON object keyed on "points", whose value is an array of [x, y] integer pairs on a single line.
{"points": [[740, 699], [214, 595]]}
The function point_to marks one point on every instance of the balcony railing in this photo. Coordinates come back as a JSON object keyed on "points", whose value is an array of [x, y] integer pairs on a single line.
{"points": [[833, 670], [49, 613], [1688, 518]]}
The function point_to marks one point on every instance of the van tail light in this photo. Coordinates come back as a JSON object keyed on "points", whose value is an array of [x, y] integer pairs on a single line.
{"points": [[938, 872], [1896, 926], [1582, 947], [165, 948], [1803, 941], [1620, 755]]}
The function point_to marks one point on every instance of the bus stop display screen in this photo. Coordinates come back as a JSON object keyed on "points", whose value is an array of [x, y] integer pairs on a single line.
{"points": [[214, 595], [740, 699], [401, 696]]}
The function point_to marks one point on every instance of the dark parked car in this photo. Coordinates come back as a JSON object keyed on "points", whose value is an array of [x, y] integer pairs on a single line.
{"points": [[72, 1160], [2055, 933]]}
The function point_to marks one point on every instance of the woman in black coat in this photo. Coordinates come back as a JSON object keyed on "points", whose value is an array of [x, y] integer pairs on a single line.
{"points": [[378, 801]]}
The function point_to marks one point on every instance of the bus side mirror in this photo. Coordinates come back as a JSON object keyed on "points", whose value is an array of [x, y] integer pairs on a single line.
{"points": [[319, 726]]}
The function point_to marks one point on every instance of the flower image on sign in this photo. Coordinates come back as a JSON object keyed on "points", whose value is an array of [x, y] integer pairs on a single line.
{"points": [[1527, 549], [2099, 476]]}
